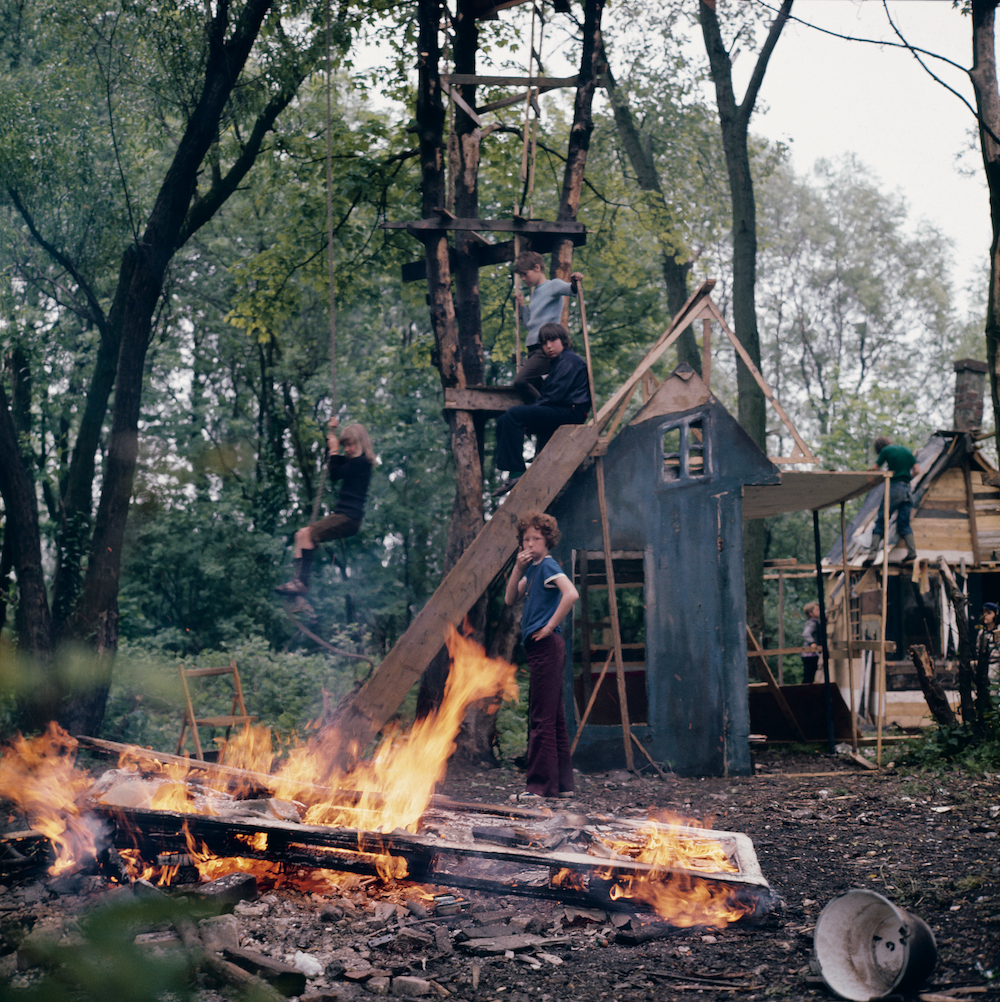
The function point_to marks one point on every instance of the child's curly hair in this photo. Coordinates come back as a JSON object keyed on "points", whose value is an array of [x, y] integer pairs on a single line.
{"points": [[545, 524]]}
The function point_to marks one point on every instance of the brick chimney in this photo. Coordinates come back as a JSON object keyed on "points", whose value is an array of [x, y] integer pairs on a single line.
{"points": [[970, 379]]}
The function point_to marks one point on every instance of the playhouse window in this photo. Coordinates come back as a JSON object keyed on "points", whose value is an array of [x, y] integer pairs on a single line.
{"points": [[684, 447], [593, 642]]}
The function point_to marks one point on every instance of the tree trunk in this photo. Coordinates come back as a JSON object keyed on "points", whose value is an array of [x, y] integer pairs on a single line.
{"points": [[140, 285], [591, 64], [38, 701], [937, 701], [734, 120], [675, 272], [984, 82], [457, 333]]}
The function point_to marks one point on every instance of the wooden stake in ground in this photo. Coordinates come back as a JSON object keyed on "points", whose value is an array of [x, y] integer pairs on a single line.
{"points": [[616, 633], [885, 602], [847, 622]]}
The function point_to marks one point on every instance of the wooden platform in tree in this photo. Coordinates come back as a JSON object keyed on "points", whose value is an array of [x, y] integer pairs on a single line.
{"points": [[569, 230], [492, 399]]}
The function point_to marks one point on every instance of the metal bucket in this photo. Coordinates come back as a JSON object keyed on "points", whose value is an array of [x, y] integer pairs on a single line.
{"points": [[868, 948]]}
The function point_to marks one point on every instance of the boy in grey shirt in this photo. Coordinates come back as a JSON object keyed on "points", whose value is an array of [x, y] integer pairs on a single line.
{"points": [[546, 308]]}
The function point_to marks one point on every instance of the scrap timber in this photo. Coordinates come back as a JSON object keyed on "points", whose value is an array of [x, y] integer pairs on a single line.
{"points": [[563, 855], [490, 861]]}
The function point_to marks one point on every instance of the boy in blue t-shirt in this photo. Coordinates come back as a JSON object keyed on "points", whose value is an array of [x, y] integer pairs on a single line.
{"points": [[548, 596]]}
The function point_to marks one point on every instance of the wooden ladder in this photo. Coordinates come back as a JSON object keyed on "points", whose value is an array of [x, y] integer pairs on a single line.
{"points": [[227, 720]]}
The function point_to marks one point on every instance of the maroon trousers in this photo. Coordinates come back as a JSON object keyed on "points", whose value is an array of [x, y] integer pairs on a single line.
{"points": [[550, 769]]}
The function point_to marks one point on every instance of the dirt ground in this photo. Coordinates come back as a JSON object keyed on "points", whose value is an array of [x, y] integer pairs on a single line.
{"points": [[820, 825]]}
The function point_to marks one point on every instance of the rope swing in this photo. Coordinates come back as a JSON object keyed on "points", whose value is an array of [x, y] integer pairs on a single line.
{"points": [[528, 151], [331, 277]]}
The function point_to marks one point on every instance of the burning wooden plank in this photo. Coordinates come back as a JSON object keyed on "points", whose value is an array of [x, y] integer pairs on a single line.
{"points": [[572, 874]]}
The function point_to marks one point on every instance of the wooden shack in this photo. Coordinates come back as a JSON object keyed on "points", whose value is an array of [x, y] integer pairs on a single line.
{"points": [[956, 516], [674, 481]]}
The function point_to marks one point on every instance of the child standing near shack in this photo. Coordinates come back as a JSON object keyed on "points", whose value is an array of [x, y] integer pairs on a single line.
{"points": [[548, 596], [354, 470]]}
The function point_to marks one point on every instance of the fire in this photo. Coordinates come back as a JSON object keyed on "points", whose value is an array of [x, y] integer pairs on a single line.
{"points": [[39, 775], [390, 791], [682, 898], [394, 788]]}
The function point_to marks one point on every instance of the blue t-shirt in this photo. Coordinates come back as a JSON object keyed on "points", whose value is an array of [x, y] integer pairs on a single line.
{"points": [[541, 596]]}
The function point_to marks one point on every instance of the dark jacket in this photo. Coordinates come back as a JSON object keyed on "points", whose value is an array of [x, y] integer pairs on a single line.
{"points": [[354, 474], [566, 385]]}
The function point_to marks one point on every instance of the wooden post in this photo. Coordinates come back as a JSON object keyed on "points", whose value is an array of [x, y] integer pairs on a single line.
{"points": [[885, 603], [706, 356], [586, 349], [616, 634], [821, 595], [781, 625], [970, 496], [586, 642], [847, 620], [517, 308]]}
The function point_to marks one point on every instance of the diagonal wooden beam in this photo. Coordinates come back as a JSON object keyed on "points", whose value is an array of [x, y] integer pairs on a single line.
{"points": [[689, 312]]}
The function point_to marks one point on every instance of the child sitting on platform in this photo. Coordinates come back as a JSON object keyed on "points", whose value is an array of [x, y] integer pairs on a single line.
{"points": [[565, 399]]}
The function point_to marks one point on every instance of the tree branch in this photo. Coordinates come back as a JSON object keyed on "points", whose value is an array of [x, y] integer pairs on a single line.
{"points": [[62, 259], [746, 107]]}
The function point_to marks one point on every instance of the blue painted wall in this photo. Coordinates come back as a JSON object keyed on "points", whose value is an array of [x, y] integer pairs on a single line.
{"points": [[692, 531]]}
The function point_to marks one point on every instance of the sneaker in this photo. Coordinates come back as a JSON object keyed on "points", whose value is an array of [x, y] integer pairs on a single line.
{"points": [[566, 795], [506, 486], [293, 587], [527, 798]]}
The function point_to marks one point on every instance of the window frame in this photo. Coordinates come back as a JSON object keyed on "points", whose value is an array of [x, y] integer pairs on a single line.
{"points": [[684, 475]]}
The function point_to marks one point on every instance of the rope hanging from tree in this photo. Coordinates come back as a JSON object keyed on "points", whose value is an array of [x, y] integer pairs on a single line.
{"points": [[528, 151], [331, 277]]}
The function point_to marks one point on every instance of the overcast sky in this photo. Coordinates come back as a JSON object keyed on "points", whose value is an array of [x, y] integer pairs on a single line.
{"points": [[826, 97]]}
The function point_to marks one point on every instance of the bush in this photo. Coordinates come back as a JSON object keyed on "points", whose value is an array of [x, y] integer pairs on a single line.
{"points": [[282, 690]]}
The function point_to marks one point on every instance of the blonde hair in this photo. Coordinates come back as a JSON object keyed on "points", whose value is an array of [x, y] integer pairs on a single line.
{"points": [[356, 433], [810, 605]]}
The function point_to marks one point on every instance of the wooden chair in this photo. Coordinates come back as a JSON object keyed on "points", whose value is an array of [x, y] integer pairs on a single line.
{"points": [[227, 720]]}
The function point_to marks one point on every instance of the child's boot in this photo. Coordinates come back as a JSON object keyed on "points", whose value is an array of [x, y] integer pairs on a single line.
{"points": [[299, 584], [872, 550]]}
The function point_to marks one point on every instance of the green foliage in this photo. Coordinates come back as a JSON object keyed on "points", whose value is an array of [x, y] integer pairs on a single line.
{"points": [[960, 746], [282, 690], [512, 722], [100, 960]]}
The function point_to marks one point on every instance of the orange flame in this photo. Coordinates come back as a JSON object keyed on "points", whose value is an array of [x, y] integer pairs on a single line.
{"points": [[39, 775], [394, 788], [683, 899]]}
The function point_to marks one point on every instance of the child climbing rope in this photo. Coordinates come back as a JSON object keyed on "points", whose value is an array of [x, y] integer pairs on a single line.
{"points": [[354, 470]]}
